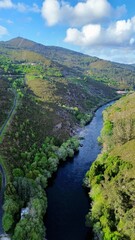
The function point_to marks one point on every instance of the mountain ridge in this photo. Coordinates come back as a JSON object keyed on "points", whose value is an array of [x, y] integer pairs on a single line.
{"points": [[116, 75], [21, 40]]}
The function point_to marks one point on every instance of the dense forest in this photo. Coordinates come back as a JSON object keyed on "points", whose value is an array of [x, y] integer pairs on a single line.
{"points": [[46, 95], [112, 176]]}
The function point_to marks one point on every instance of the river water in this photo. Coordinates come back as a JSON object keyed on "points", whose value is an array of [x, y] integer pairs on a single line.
{"points": [[68, 202], [2, 197]]}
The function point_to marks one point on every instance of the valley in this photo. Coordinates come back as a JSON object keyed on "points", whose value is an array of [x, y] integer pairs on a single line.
{"points": [[50, 93]]}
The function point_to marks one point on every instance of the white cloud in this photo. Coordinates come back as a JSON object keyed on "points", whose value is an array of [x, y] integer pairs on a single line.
{"points": [[95, 26], [20, 6], [112, 43], [51, 11], [89, 35], [6, 4], [121, 33], [88, 11], [92, 10], [3, 31], [132, 41]]}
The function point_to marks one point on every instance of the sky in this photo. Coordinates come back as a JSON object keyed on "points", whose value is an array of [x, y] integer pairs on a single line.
{"points": [[101, 28]]}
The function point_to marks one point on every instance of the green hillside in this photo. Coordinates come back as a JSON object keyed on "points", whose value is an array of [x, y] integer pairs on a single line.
{"points": [[113, 74], [6, 98], [50, 95], [63, 95], [117, 75], [112, 176], [48, 102]]}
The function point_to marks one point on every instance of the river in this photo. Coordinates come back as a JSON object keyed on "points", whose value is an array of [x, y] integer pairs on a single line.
{"points": [[68, 202], [2, 197]]}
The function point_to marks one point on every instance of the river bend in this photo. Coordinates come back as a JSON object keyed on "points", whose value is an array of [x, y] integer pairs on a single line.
{"points": [[68, 202]]}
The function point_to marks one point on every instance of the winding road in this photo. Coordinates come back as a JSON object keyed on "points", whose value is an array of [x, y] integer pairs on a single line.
{"points": [[2, 130]]}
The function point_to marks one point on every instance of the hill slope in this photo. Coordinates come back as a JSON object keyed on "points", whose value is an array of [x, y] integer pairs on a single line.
{"points": [[112, 175], [112, 74], [55, 97], [52, 101], [64, 95]]}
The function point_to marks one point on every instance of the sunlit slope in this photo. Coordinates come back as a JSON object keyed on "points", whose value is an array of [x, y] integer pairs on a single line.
{"points": [[112, 175], [113, 74], [120, 76], [59, 92], [55, 96]]}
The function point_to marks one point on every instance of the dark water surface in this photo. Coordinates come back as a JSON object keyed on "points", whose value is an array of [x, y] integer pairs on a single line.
{"points": [[68, 202], [2, 196]]}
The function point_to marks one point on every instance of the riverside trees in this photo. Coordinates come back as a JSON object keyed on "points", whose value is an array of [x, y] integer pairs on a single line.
{"points": [[28, 187], [111, 177]]}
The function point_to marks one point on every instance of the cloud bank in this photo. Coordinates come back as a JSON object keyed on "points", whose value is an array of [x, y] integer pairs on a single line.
{"points": [[54, 11], [120, 33], [94, 25]]}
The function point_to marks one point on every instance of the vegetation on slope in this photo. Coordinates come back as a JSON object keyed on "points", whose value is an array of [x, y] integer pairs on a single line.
{"points": [[6, 94], [49, 87], [26, 189], [48, 104], [53, 100], [112, 176], [117, 75]]}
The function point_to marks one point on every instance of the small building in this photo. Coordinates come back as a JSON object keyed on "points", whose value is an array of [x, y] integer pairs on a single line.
{"points": [[122, 92], [24, 212]]}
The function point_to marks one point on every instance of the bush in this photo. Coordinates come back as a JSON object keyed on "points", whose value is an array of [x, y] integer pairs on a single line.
{"points": [[7, 221]]}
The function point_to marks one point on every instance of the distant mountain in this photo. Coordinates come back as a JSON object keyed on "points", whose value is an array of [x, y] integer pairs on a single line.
{"points": [[60, 55], [20, 43], [52, 52], [113, 74]]}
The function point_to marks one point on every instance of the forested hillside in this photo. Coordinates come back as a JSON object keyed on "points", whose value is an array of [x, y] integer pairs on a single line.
{"points": [[46, 96], [61, 95], [112, 176], [42, 105]]}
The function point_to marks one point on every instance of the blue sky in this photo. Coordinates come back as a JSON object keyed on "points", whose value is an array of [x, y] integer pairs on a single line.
{"points": [[102, 28]]}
